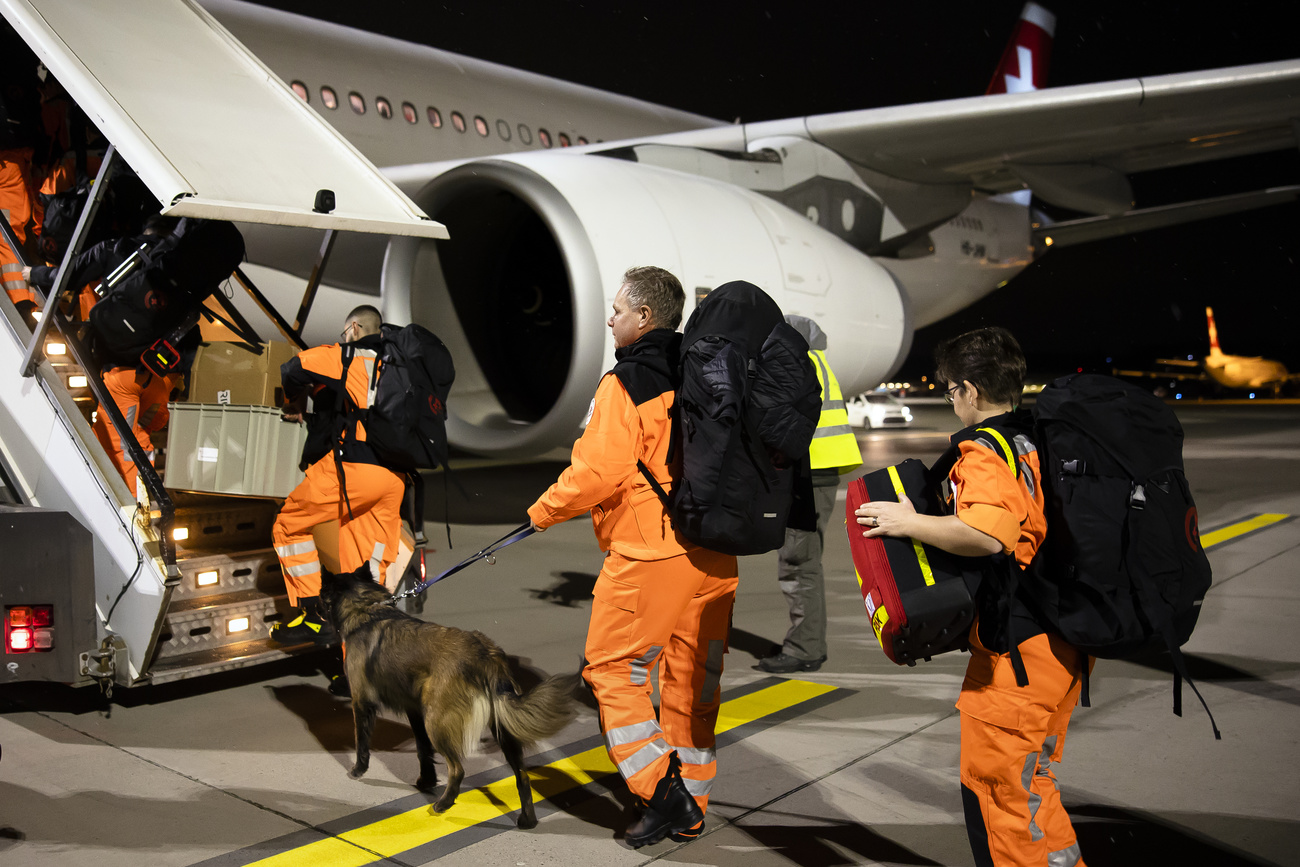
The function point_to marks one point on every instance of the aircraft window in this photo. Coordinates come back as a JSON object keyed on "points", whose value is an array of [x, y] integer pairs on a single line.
{"points": [[503, 130], [564, 140], [435, 117], [358, 102], [384, 107], [458, 121], [408, 112], [300, 89], [525, 134], [582, 140], [480, 125], [329, 98], [544, 137]]}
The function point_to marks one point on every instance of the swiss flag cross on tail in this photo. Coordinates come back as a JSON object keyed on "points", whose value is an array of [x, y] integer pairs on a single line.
{"points": [[1024, 62]]}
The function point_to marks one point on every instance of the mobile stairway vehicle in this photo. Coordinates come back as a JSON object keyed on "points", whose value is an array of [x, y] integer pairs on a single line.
{"points": [[99, 583]]}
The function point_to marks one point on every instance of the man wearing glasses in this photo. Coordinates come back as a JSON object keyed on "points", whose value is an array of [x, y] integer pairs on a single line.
{"points": [[348, 483]]}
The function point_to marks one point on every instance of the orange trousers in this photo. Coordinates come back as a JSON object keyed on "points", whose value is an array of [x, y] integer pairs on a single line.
{"points": [[1010, 736], [18, 204], [142, 398], [673, 615], [369, 535]]}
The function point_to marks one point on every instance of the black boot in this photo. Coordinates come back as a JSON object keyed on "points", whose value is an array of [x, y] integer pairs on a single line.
{"points": [[310, 625], [670, 812]]}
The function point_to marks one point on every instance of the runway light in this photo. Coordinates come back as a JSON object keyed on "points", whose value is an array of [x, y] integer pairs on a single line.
{"points": [[207, 579], [1252, 395], [56, 349], [1178, 396], [77, 382], [180, 534], [238, 624]]}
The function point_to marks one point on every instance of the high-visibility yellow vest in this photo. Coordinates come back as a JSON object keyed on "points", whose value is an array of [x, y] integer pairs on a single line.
{"points": [[833, 444]]}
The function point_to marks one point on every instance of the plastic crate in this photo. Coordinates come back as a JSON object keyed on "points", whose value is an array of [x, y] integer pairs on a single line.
{"points": [[232, 449]]}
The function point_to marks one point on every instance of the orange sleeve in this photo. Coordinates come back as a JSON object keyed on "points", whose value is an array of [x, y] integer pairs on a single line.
{"points": [[604, 458], [986, 494]]}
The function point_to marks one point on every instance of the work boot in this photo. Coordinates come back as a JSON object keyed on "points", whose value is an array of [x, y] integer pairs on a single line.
{"points": [[340, 687], [670, 812], [309, 625], [784, 663]]}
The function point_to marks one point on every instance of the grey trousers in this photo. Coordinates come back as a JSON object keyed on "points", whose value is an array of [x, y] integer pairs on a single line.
{"points": [[799, 572]]}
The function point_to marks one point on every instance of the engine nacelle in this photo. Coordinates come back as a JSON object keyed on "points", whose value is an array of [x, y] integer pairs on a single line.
{"points": [[539, 241]]}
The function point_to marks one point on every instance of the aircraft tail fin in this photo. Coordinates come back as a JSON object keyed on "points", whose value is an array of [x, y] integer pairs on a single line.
{"points": [[1214, 332], [1024, 61]]}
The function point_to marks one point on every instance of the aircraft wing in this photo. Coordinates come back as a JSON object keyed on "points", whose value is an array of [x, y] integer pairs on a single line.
{"points": [[207, 127], [1072, 145]]}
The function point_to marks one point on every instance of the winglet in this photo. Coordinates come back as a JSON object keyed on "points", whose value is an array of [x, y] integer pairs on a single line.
{"points": [[1024, 62]]}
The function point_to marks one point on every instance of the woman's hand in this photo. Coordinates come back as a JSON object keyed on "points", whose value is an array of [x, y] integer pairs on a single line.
{"points": [[886, 518]]}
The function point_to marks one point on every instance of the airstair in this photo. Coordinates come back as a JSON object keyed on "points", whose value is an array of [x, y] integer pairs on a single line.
{"points": [[98, 582]]}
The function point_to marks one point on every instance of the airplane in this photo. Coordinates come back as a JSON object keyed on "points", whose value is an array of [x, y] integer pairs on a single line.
{"points": [[873, 222], [1229, 371]]}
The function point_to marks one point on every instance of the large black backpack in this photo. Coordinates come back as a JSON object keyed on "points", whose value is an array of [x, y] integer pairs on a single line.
{"points": [[406, 424], [161, 285], [745, 414], [1122, 570]]}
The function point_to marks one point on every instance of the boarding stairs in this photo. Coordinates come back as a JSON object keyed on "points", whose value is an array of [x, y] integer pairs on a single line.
{"points": [[185, 583]]}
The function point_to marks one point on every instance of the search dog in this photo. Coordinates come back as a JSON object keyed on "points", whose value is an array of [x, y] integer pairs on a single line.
{"points": [[449, 683]]}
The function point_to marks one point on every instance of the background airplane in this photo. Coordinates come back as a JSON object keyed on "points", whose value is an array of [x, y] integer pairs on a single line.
{"points": [[1239, 372]]}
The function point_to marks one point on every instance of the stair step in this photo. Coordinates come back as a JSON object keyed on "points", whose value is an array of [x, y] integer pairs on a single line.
{"points": [[214, 523], [226, 657], [257, 569], [209, 622]]}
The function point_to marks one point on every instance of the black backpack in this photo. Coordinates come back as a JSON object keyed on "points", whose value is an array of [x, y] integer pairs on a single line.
{"points": [[161, 285], [1121, 571], [745, 414], [406, 424]]}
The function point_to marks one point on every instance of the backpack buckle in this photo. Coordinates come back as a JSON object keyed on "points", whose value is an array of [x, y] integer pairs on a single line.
{"points": [[1137, 498], [1075, 467]]}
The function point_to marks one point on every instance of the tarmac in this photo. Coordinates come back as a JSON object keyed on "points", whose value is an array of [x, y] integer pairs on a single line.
{"points": [[853, 764]]}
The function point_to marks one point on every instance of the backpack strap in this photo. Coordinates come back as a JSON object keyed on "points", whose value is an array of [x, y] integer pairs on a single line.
{"points": [[348, 351], [654, 483]]}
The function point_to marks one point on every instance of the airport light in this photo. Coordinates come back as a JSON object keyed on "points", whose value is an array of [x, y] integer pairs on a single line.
{"points": [[180, 534], [56, 349], [207, 579], [1047, 242], [77, 382], [238, 624]]}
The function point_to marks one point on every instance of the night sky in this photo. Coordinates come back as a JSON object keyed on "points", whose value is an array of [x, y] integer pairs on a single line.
{"points": [[1131, 299]]}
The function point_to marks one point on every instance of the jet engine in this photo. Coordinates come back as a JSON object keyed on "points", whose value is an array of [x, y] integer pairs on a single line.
{"points": [[539, 241]]}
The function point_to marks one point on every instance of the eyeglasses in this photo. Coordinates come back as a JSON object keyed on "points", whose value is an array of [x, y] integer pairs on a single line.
{"points": [[343, 336], [948, 395]]}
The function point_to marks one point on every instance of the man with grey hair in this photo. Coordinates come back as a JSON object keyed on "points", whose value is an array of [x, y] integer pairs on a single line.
{"points": [[833, 452], [659, 598]]}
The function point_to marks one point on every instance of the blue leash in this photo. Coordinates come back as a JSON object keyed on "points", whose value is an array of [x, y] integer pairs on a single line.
{"points": [[489, 553]]}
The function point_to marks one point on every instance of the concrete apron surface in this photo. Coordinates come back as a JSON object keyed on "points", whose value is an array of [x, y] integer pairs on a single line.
{"points": [[852, 764]]}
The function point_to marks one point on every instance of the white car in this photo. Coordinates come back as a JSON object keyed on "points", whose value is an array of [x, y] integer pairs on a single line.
{"points": [[875, 409]]}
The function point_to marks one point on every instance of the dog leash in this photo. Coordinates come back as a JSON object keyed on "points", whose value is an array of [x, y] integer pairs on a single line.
{"points": [[489, 553]]}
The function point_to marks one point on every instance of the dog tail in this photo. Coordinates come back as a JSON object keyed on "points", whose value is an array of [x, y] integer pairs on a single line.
{"points": [[538, 714]]}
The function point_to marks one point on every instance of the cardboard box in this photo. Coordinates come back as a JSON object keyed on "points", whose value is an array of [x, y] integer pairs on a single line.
{"points": [[232, 450], [227, 373]]}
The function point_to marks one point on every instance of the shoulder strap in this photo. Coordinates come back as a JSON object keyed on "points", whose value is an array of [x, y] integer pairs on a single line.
{"points": [[348, 351]]}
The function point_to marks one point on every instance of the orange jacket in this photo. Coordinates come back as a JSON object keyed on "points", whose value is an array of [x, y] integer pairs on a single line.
{"points": [[603, 477], [321, 367], [988, 496]]}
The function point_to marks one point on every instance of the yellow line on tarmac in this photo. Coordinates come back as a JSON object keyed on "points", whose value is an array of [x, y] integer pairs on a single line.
{"points": [[1232, 531], [421, 826]]}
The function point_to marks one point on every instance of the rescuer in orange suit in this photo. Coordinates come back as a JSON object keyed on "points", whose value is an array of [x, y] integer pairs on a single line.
{"points": [[659, 600], [368, 513], [1010, 735], [19, 135], [139, 394]]}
